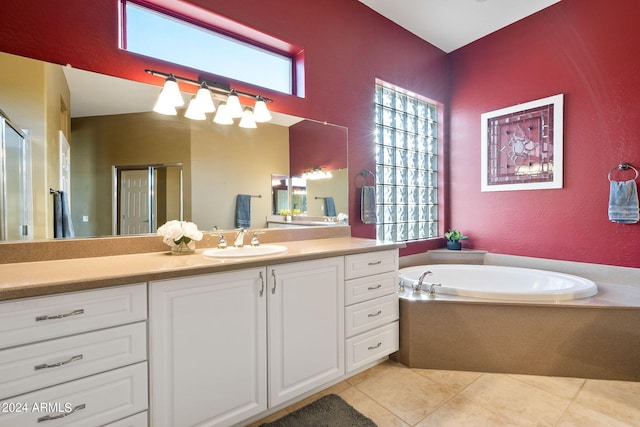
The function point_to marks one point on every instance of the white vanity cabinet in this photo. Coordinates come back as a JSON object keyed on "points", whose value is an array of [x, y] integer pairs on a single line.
{"points": [[209, 337], [74, 359], [207, 348], [371, 307], [306, 327]]}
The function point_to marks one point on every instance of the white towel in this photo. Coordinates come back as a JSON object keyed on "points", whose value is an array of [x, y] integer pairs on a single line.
{"points": [[623, 202], [368, 204]]}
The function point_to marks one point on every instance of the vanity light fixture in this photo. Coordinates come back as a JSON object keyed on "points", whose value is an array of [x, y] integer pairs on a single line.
{"points": [[234, 109], [222, 117], [195, 110], [316, 173], [261, 113], [204, 99], [170, 98], [248, 121]]}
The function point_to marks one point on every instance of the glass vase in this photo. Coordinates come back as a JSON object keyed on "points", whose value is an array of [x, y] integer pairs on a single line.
{"points": [[182, 248]]}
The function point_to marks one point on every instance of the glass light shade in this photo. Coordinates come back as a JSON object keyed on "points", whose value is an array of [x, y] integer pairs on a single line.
{"points": [[222, 118], [261, 113], [234, 109], [194, 111], [247, 120], [203, 97], [164, 107], [171, 92]]}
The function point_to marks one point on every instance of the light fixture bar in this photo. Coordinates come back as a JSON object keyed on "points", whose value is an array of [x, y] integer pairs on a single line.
{"points": [[215, 87]]}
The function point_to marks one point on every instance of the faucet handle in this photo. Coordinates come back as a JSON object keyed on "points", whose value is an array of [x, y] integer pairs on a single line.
{"points": [[222, 242], [254, 239]]}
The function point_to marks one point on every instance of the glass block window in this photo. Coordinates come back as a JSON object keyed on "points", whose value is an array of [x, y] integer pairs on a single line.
{"points": [[406, 165]]}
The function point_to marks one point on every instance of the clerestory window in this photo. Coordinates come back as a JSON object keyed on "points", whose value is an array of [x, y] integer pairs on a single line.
{"points": [[158, 35]]}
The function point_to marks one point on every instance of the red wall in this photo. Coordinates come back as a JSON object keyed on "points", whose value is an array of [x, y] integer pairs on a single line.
{"points": [[314, 144], [588, 50], [346, 46]]}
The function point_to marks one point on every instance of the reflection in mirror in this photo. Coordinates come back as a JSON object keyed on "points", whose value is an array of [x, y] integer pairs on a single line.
{"points": [[279, 194], [108, 122], [146, 197]]}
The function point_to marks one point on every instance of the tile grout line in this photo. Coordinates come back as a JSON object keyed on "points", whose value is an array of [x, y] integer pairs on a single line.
{"points": [[571, 402]]}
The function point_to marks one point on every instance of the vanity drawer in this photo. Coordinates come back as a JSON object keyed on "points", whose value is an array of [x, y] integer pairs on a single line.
{"points": [[367, 315], [366, 288], [92, 401], [371, 263], [371, 346], [35, 366], [137, 420], [34, 319]]}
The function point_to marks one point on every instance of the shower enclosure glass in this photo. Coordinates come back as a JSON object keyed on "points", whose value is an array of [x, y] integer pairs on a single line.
{"points": [[16, 217]]}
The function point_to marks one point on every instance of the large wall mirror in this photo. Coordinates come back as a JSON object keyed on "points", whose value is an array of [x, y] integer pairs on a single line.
{"points": [[130, 169]]}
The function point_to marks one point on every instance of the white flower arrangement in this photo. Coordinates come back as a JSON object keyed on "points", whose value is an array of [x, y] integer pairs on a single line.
{"points": [[175, 232]]}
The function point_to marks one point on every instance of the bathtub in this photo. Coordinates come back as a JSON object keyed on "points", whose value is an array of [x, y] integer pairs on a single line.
{"points": [[499, 282]]}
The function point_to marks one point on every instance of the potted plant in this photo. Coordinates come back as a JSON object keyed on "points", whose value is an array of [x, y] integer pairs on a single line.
{"points": [[453, 239]]}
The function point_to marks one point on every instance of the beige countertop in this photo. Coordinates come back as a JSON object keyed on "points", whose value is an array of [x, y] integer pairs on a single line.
{"points": [[28, 279]]}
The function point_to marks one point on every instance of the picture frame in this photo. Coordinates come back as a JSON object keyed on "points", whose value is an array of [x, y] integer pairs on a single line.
{"points": [[521, 146]]}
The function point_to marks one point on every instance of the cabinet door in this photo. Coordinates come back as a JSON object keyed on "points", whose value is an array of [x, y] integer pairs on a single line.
{"points": [[207, 348], [306, 326]]}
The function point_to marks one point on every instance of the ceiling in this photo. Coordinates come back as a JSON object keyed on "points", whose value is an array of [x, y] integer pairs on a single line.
{"points": [[451, 24]]}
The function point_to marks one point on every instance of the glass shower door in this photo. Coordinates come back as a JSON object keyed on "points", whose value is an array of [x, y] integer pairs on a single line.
{"points": [[15, 173]]}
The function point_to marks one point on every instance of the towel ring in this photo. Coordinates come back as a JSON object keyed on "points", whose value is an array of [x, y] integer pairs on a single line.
{"points": [[623, 167]]}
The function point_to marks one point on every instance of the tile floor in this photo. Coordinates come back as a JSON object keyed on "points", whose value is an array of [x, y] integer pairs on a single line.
{"points": [[394, 395]]}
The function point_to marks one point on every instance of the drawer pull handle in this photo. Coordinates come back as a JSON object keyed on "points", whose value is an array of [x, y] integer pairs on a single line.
{"points": [[262, 286], [371, 264], [60, 316], [275, 281], [55, 365], [374, 315], [62, 415], [375, 346], [373, 288]]}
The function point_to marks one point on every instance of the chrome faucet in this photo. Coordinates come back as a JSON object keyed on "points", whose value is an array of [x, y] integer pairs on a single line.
{"points": [[417, 287], [238, 242]]}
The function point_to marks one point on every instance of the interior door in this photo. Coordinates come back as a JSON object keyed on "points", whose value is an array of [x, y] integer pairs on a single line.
{"points": [[135, 212]]}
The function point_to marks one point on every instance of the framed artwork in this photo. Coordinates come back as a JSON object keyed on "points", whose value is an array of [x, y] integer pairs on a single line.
{"points": [[522, 146]]}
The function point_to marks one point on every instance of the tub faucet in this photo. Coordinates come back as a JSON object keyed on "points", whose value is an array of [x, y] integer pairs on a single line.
{"points": [[238, 242], [417, 287]]}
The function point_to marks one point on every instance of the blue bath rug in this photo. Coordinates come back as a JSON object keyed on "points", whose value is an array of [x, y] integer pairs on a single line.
{"points": [[328, 411]]}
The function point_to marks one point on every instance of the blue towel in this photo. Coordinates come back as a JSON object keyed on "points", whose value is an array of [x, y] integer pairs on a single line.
{"points": [[623, 202], [329, 206], [243, 211], [62, 225], [368, 204]]}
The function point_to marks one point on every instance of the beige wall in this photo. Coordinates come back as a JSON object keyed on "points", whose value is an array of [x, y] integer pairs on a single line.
{"points": [[227, 161], [99, 143], [219, 162], [333, 187]]}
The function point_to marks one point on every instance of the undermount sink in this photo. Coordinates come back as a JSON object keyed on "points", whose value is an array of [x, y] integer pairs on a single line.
{"points": [[245, 251]]}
